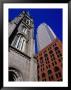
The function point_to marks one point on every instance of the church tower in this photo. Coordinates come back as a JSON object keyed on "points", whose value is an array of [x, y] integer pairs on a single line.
{"points": [[22, 64]]}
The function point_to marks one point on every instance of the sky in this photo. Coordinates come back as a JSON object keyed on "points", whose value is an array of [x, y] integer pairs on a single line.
{"points": [[52, 17]]}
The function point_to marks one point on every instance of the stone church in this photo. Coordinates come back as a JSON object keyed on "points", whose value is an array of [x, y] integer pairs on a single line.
{"points": [[22, 64]]}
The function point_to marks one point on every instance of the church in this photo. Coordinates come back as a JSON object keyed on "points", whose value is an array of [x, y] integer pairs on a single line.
{"points": [[22, 63]]}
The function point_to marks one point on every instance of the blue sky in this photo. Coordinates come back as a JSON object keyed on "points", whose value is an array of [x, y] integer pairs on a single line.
{"points": [[52, 17]]}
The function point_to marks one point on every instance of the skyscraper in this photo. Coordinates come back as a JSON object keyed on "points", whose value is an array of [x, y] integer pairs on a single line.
{"points": [[45, 36], [22, 64], [49, 57]]}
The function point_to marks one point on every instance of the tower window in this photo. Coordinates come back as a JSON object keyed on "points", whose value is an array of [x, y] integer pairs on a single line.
{"points": [[24, 30], [28, 22], [19, 42], [15, 41]]}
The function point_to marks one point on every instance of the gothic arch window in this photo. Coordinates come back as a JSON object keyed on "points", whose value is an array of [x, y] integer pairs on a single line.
{"points": [[15, 75], [15, 41], [19, 42]]}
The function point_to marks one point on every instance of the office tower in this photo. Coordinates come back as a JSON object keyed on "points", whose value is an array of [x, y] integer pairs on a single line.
{"points": [[22, 64], [45, 36], [49, 57]]}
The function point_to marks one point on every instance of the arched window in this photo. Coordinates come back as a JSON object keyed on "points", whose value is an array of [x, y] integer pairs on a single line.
{"points": [[15, 75], [56, 69], [49, 72], [15, 40], [19, 42], [56, 48]]}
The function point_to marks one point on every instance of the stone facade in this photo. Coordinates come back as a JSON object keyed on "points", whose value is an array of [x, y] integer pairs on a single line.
{"points": [[22, 64]]}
